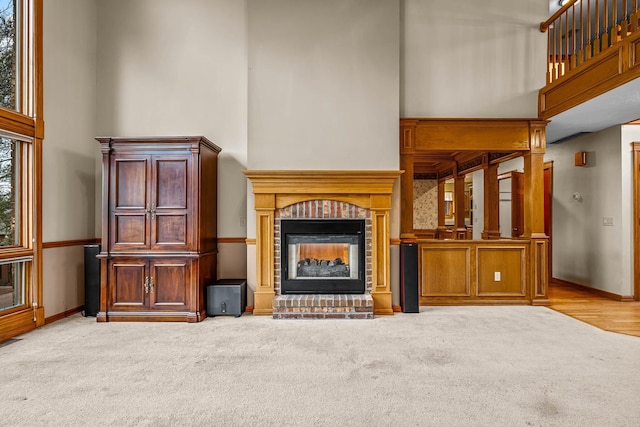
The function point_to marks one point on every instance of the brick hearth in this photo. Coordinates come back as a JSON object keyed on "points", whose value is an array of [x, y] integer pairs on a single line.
{"points": [[323, 307]]}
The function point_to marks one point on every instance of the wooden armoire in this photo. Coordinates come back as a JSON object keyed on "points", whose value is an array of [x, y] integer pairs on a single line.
{"points": [[159, 233]]}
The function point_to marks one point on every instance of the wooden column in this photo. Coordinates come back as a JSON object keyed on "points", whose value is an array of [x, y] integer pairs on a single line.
{"points": [[534, 195], [381, 279], [406, 199], [534, 214], [636, 219], [265, 205], [491, 201], [407, 151], [458, 217], [442, 228]]}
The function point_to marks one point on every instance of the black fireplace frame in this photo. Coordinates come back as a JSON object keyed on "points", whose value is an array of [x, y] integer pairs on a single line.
{"points": [[325, 285]]}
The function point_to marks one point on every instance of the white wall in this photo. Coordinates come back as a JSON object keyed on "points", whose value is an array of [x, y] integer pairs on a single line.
{"points": [[169, 67], [69, 150], [472, 58], [585, 251], [323, 84]]}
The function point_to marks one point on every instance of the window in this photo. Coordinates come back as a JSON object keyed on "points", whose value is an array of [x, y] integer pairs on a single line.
{"points": [[21, 130]]}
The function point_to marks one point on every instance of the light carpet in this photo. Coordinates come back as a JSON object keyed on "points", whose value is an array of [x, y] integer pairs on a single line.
{"points": [[446, 366]]}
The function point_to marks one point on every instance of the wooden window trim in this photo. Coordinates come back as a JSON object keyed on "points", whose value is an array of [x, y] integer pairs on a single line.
{"points": [[28, 122]]}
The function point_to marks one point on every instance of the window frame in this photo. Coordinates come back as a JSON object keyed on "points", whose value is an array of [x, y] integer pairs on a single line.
{"points": [[27, 125]]}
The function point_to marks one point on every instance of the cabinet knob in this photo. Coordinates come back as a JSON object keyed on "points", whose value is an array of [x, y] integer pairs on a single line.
{"points": [[146, 284]]}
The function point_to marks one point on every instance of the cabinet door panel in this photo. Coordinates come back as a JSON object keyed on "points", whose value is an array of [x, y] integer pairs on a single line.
{"points": [[171, 229], [128, 285], [130, 183], [129, 203], [172, 203], [170, 283], [171, 183], [130, 230]]}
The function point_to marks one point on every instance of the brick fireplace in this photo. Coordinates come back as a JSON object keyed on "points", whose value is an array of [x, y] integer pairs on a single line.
{"points": [[322, 305], [319, 195]]}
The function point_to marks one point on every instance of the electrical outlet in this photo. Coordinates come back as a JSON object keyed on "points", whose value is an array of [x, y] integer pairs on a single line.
{"points": [[607, 220], [496, 276]]}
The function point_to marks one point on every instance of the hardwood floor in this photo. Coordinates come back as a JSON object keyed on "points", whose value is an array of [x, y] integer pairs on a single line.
{"points": [[601, 312]]}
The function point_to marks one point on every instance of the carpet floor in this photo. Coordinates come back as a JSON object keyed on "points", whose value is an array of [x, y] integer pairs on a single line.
{"points": [[445, 366]]}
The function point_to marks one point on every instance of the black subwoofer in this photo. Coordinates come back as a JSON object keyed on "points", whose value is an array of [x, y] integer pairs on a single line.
{"points": [[227, 297], [91, 280]]}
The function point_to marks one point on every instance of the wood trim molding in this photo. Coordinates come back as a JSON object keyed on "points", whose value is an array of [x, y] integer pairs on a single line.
{"points": [[232, 240], [62, 315], [37, 300], [311, 184], [458, 134], [66, 243], [635, 146], [251, 241]]}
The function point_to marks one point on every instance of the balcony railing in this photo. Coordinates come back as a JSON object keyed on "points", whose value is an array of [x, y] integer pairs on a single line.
{"points": [[582, 29]]}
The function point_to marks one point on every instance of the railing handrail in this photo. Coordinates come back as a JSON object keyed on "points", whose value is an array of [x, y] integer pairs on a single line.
{"points": [[582, 29], [544, 26]]}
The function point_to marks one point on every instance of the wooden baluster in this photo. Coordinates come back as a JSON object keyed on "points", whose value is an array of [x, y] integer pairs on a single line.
{"points": [[614, 22], [588, 46], [574, 34], [549, 63], [559, 52], [596, 38], [605, 26], [634, 15], [581, 49], [624, 25], [554, 62], [565, 54], [558, 47]]}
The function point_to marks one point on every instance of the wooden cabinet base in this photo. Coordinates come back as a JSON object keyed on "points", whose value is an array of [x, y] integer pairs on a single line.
{"points": [[149, 316]]}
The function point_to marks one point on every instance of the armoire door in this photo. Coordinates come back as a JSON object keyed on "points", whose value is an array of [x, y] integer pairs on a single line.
{"points": [[129, 202], [128, 285], [171, 203], [170, 280]]}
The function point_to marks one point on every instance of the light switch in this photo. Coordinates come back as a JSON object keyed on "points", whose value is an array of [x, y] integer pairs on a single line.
{"points": [[496, 276], [607, 220]]}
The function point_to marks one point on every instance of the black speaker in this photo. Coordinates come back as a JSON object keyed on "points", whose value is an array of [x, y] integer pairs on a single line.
{"points": [[409, 278], [227, 296], [91, 280]]}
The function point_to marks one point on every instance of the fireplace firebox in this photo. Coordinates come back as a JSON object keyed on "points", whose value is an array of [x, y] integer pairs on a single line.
{"points": [[322, 256]]}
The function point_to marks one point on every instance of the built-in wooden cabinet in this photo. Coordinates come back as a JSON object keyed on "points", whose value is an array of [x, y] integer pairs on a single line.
{"points": [[159, 225]]}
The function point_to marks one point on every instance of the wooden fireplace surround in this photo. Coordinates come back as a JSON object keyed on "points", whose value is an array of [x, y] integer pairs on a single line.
{"points": [[276, 189]]}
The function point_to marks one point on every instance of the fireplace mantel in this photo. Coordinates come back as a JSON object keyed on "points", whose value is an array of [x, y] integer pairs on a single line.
{"points": [[275, 189]]}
